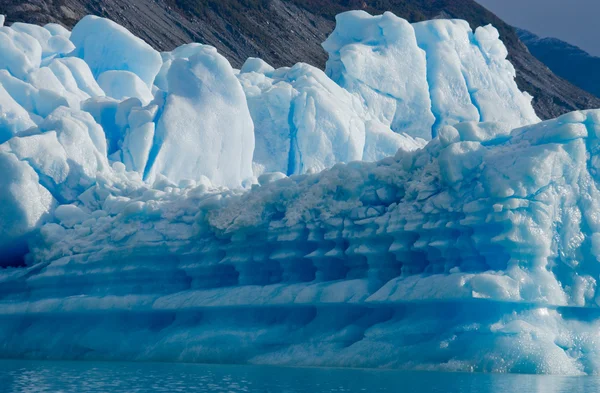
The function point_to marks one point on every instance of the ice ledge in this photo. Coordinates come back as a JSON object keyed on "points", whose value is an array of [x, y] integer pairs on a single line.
{"points": [[436, 288]]}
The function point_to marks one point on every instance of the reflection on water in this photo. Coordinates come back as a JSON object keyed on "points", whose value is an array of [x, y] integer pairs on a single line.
{"points": [[82, 377]]}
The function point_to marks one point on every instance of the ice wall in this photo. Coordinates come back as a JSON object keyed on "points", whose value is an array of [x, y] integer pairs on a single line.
{"points": [[491, 213], [168, 207], [495, 230]]}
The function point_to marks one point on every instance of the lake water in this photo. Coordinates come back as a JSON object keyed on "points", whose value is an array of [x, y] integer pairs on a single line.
{"points": [[97, 377]]}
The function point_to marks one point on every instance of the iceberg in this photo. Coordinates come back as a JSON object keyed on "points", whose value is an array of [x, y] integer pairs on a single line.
{"points": [[388, 212]]}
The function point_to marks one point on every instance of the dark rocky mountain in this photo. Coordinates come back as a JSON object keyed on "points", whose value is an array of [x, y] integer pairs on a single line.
{"points": [[565, 60], [284, 32]]}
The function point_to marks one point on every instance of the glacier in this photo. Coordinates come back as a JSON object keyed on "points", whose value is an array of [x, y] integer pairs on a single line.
{"points": [[404, 208]]}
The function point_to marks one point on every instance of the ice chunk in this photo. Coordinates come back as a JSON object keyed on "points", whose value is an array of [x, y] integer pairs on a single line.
{"points": [[22, 92], [105, 46], [257, 65], [79, 125], [59, 45], [418, 78], [303, 121], [38, 102], [137, 146], [63, 82], [58, 79], [60, 169], [75, 79], [139, 138], [51, 45], [24, 205], [497, 96], [483, 132], [471, 81], [82, 75], [205, 127], [270, 104], [183, 52], [84, 145], [104, 112], [45, 155], [112, 115], [38, 32], [450, 96], [324, 131], [267, 178], [378, 58], [380, 142], [124, 84], [21, 53], [70, 215], [13, 118], [57, 30]]}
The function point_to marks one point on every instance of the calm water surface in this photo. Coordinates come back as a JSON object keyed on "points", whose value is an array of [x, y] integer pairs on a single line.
{"points": [[83, 377]]}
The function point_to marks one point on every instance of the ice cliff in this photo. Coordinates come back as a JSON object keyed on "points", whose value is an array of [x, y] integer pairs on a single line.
{"points": [[405, 208]]}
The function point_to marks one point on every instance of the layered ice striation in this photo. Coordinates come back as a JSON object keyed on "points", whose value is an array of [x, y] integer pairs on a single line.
{"points": [[405, 208], [477, 252]]}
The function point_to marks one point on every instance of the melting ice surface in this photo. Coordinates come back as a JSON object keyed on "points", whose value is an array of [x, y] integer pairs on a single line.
{"points": [[403, 209]]}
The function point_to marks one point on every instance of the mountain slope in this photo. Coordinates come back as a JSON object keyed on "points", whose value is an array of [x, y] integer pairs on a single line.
{"points": [[284, 32], [565, 60]]}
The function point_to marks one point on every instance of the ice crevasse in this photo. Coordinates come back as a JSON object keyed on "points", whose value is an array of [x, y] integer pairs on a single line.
{"points": [[403, 208]]}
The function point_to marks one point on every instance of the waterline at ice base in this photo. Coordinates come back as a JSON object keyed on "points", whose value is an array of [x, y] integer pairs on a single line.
{"points": [[404, 209]]}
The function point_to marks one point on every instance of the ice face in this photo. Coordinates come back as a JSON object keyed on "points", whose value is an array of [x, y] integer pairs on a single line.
{"points": [[304, 122], [494, 229], [469, 75], [205, 128], [391, 212], [417, 78], [308, 123], [378, 59], [24, 203]]}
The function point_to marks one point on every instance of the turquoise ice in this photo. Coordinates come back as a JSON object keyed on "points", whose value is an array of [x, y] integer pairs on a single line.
{"points": [[405, 208]]}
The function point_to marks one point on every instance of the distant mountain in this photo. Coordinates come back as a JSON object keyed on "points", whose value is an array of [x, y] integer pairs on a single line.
{"points": [[565, 60], [284, 32]]}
